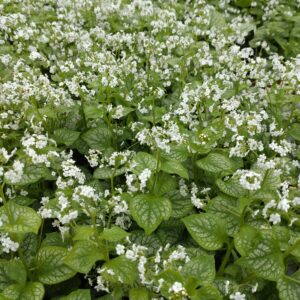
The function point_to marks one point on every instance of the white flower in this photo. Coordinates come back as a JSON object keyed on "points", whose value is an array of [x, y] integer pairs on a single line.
{"points": [[176, 288], [283, 205], [296, 201], [15, 175], [275, 218], [238, 296], [120, 249], [8, 244], [270, 204], [254, 288], [143, 177], [250, 180]]}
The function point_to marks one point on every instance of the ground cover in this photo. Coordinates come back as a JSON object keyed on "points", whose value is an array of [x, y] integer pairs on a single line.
{"points": [[149, 149]]}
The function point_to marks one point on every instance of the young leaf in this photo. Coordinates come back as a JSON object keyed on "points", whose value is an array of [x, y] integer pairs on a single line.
{"points": [[83, 256], [207, 230], [51, 268], [149, 211], [19, 219]]}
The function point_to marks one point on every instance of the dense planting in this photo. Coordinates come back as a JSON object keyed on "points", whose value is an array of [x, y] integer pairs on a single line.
{"points": [[149, 149]]}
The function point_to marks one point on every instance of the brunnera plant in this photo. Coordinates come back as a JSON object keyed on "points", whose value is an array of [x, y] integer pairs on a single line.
{"points": [[149, 150]]}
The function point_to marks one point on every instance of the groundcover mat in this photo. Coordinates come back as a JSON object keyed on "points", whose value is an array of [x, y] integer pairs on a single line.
{"points": [[149, 149]]}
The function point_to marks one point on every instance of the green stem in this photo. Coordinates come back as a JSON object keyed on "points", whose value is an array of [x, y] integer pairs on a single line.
{"points": [[291, 248], [225, 258], [157, 169], [6, 207], [41, 234], [82, 112]]}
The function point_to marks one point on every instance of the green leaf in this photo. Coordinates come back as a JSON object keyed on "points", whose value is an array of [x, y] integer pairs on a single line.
{"points": [[243, 3], [149, 211], [217, 20], [180, 206], [83, 256], [175, 167], [98, 138], [29, 247], [289, 286], [218, 163], [169, 276], [295, 131], [177, 153], [66, 136], [164, 184], [124, 112], [201, 268], [107, 173], [55, 239], [30, 291], [170, 231], [271, 180], [19, 219], [51, 268], [207, 230], [24, 201], [208, 292], [32, 174], [83, 233], [113, 234], [123, 270], [225, 207], [138, 294], [151, 241], [11, 272], [261, 255], [246, 240], [93, 111], [267, 266], [142, 161], [231, 187], [78, 295]]}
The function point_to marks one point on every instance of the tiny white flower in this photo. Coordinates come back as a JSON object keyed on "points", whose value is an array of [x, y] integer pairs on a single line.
{"points": [[237, 296]]}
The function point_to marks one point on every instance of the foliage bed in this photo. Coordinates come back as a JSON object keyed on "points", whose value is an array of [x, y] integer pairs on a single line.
{"points": [[149, 149]]}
